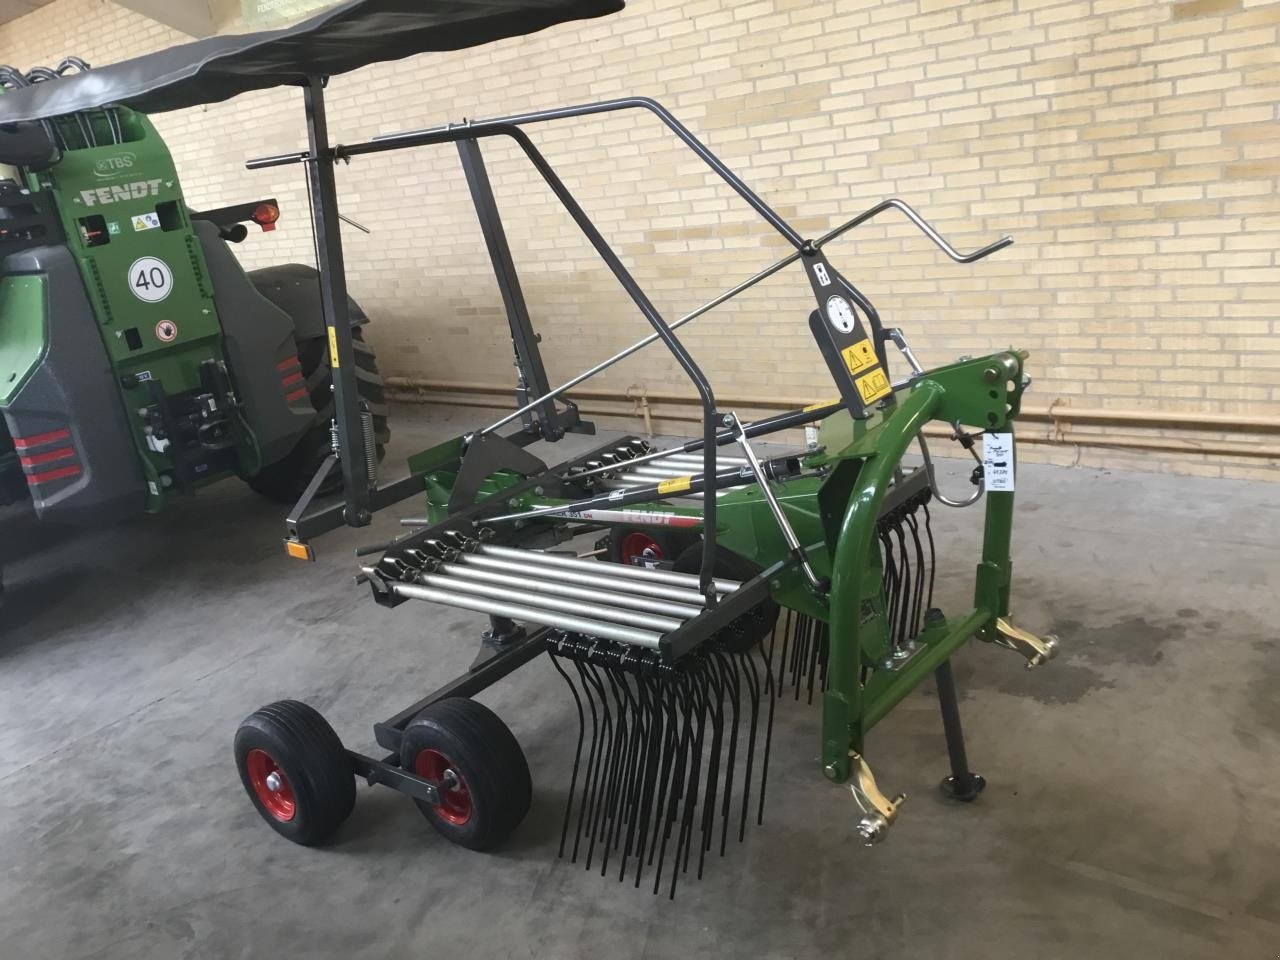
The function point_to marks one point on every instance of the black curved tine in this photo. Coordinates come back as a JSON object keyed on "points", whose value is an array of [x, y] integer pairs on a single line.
{"points": [[626, 774], [933, 556], [782, 658], [584, 808], [684, 836], [649, 686], [892, 581], [800, 653], [605, 811], [729, 668], [904, 593], [686, 743], [752, 680], [689, 786], [917, 599], [577, 753], [670, 745], [655, 737], [606, 737], [816, 643], [768, 733], [709, 793]]}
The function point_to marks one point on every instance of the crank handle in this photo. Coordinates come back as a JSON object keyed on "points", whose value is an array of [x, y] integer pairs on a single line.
{"points": [[1037, 650], [878, 811]]}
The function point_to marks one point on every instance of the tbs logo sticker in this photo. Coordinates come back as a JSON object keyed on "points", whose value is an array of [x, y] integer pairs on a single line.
{"points": [[110, 167]]}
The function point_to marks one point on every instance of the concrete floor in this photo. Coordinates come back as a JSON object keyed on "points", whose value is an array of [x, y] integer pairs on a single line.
{"points": [[1133, 807]]}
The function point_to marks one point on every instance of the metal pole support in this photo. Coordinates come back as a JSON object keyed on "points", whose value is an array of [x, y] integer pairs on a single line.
{"points": [[963, 784], [333, 302]]}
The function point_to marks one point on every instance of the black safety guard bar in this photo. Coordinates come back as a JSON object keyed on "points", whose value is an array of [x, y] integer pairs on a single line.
{"points": [[359, 494]]}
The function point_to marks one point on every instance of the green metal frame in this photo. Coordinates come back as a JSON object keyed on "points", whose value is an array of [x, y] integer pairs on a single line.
{"points": [[836, 513]]}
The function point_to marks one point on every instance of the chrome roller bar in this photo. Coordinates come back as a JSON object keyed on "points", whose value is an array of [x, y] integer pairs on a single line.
{"points": [[604, 582], [599, 610], [518, 611], [617, 570], [666, 608]]}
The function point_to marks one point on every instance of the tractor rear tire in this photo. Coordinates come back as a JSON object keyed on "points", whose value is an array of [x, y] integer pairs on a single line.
{"points": [[286, 479]]}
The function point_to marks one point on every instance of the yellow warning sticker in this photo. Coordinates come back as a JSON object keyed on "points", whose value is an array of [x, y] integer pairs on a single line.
{"points": [[873, 386], [674, 485], [820, 404], [861, 356], [333, 348]]}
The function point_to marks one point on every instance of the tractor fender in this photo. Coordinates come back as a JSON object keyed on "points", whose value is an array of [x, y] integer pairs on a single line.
{"points": [[295, 289], [66, 420]]}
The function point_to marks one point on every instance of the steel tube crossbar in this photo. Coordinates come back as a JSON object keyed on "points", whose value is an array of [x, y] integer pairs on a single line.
{"points": [[662, 591], [618, 570], [666, 608], [518, 611], [600, 609]]}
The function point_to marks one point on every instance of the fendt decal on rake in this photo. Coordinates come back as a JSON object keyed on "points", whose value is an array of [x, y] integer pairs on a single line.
{"points": [[732, 580]]}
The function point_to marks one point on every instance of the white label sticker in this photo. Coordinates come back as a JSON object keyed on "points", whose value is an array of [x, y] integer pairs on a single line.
{"points": [[150, 279], [166, 331], [151, 485], [820, 271], [146, 221], [997, 461]]}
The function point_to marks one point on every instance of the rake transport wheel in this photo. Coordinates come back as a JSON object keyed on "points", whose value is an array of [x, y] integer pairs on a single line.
{"points": [[647, 546], [485, 789], [743, 634], [295, 770], [286, 479]]}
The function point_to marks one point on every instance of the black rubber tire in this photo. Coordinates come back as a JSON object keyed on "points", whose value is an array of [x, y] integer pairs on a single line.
{"points": [[672, 543], [284, 480], [485, 755], [314, 763], [752, 627]]}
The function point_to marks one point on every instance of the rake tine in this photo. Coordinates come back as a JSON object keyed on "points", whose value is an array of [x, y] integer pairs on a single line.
{"points": [[918, 594], [653, 691], [684, 840], [577, 753], [588, 793], [933, 556], [600, 787], [729, 667], [753, 686], [609, 809], [774, 693], [801, 651], [786, 639], [627, 806], [671, 742], [686, 736], [716, 710], [816, 643]]}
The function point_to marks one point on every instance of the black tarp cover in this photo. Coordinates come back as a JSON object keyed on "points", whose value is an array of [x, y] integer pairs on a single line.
{"points": [[348, 36]]}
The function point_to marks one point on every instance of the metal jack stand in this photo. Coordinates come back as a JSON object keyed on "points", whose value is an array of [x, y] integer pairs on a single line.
{"points": [[963, 784]]}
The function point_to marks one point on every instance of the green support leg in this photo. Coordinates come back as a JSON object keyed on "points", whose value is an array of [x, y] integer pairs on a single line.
{"points": [[842, 703]]}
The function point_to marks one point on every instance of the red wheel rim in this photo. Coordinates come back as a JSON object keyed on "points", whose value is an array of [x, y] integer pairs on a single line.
{"points": [[455, 804], [636, 544], [270, 785]]}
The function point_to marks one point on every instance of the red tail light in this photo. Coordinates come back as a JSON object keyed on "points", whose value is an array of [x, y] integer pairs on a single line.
{"points": [[265, 215]]}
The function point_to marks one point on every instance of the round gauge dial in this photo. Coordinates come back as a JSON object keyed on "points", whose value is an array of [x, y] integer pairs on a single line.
{"points": [[841, 314]]}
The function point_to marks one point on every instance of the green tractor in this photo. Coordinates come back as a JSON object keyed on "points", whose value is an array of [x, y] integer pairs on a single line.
{"points": [[138, 360]]}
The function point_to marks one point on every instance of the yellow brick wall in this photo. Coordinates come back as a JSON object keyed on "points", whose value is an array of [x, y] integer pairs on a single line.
{"points": [[1130, 146]]}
